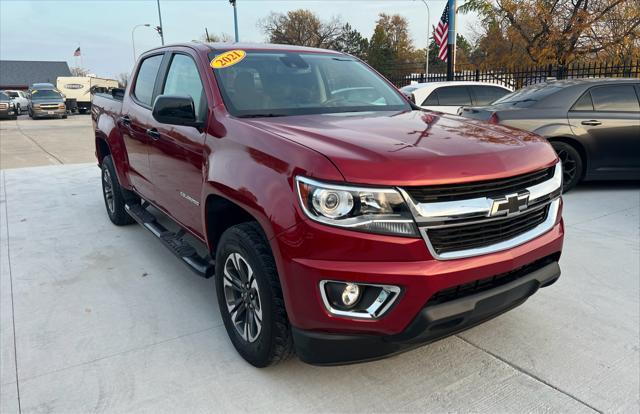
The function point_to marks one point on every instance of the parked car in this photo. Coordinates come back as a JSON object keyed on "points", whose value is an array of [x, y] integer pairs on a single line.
{"points": [[337, 219], [7, 108], [593, 124], [20, 100], [46, 103], [449, 97]]}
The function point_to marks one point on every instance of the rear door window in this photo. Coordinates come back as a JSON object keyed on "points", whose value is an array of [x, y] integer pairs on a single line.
{"points": [[484, 95], [454, 96], [616, 98], [584, 103], [146, 79], [432, 99]]}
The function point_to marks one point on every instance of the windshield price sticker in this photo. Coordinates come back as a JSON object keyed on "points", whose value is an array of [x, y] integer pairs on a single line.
{"points": [[227, 59]]}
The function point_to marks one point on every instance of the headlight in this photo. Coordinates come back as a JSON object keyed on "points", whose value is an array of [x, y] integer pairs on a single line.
{"points": [[373, 210], [61, 106]]}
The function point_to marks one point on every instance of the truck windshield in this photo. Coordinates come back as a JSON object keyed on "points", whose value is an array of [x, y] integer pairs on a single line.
{"points": [[45, 94], [266, 84]]}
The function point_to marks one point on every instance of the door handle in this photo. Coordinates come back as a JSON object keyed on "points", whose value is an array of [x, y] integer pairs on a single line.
{"points": [[592, 122], [153, 133], [126, 120]]}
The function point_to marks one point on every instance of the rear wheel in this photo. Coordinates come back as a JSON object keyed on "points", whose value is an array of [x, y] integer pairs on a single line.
{"points": [[572, 164], [250, 296], [114, 195]]}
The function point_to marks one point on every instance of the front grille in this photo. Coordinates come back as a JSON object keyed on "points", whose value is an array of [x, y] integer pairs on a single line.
{"points": [[484, 233], [471, 288], [4, 106], [478, 189], [49, 106]]}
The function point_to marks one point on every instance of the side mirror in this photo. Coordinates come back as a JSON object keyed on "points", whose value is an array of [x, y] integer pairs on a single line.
{"points": [[175, 110]]}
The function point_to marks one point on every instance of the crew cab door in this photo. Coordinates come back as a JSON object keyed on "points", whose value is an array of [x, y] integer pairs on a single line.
{"points": [[133, 123], [177, 153], [608, 118]]}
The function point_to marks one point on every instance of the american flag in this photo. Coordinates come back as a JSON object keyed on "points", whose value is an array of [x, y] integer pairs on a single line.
{"points": [[77, 52], [441, 34]]}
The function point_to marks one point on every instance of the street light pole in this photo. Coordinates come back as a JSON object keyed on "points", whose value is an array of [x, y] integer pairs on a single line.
{"points": [[133, 40], [426, 73], [161, 31], [235, 18]]}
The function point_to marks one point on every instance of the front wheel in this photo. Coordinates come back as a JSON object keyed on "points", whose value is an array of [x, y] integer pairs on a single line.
{"points": [[250, 296], [571, 164]]}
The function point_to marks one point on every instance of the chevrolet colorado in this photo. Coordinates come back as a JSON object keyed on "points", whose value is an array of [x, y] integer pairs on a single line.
{"points": [[339, 221]]}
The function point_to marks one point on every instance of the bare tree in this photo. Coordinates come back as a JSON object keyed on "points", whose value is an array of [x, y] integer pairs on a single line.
{"points": [[214, 38], [301, 27], [123, 79], [78, 71]]}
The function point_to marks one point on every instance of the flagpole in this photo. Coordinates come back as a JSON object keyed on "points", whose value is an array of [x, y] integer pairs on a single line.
{"points": [[80, 47], [451, 41]]}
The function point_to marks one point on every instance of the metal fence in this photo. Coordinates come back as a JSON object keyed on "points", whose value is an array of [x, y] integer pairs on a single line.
{"points": [[518, 77]]}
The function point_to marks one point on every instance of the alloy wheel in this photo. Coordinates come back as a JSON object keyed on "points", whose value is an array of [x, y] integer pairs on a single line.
{"points": [[569, 165], [242, 297], [107, 189]]}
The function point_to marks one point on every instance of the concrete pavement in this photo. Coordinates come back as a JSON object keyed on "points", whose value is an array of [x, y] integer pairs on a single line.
{"points": [[27, 143], [98, 318]]}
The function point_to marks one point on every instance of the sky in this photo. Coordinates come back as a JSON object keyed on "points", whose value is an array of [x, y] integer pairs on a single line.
{"points": [[52, 30]]}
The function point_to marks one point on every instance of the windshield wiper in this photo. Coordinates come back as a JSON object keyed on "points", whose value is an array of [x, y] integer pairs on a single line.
{"points": [[260, 115]]}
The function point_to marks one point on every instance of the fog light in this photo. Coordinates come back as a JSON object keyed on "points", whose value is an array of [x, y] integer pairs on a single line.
{"points": [[350, 294], [358, 300]]}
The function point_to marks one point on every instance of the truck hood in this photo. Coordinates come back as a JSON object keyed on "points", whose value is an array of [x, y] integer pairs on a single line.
{"points": [[414, 147]]}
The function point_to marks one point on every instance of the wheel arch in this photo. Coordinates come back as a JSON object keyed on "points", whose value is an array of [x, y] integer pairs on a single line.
{"points": [[578, 147], [221, 213], [102, 148]]}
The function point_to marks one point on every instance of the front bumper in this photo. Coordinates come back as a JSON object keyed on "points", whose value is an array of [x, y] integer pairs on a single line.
{"points": [[41, 113], [8, 113], [432, 322]]}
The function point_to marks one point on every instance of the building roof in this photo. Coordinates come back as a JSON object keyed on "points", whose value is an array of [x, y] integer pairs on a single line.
{"points": [[20, 74]]}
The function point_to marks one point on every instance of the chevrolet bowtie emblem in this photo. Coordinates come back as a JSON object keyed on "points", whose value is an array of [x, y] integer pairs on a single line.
{"points": [[509, 204]]}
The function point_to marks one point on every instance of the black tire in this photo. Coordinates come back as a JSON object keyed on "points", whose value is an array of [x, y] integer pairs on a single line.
{"points": [[115, 197], [572, 164], [18, 109], [273, 343], [64, 117]]}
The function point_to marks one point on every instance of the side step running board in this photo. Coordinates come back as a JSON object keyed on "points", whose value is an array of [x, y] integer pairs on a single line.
{"points": [[202, 266]]}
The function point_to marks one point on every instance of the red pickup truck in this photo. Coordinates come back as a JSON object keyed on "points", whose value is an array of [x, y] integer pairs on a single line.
{"points": [[339, 221]]}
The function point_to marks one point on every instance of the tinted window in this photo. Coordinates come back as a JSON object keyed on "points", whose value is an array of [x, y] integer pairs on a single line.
{"points": [[584, 103], [454, 96], [432, 100], [487, 94], [266, 83], [147, 78], [45, 94], [12, 94], [615, 98], [531, 94], [183, 79]]}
